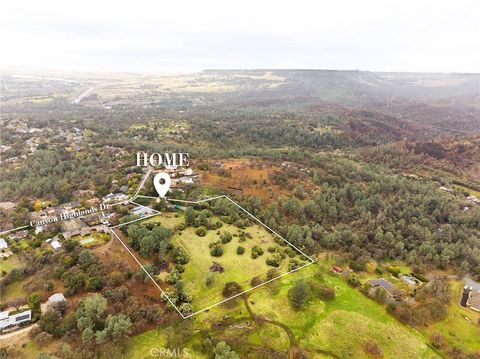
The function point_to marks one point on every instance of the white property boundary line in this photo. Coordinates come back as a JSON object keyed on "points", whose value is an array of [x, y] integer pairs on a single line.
{"points": [[224, 300]]}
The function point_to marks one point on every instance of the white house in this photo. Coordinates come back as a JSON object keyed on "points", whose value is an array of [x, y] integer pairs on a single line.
{"points": [[3, 243], [56, 245], [8, 321], [142, 211], [408, 280], [56, 298], [186, 180], [114, 197]]}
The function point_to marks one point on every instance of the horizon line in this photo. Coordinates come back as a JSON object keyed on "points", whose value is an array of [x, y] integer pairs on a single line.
{"points": [[164, 71]]}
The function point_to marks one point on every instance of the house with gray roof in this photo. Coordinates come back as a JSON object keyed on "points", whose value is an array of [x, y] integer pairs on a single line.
{"points": [[388, 286]]}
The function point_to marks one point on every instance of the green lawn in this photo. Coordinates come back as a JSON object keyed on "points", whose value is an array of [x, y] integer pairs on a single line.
{"points": [[238, 268], [471, 191], [271, 334], [10, 263], [13, 291], [166, 219], [151, 344]]}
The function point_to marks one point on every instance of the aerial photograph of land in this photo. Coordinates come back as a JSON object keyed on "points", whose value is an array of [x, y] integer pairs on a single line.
{"points": [[181, 198]]}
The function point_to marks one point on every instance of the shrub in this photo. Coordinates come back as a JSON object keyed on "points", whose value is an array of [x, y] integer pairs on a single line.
{"points": [[255, 281], [357, 266], [226, 219], [226, 237], [43, 339], [240, 250], [209, 280], [231, 288], [179, 256], [299, 294], [372, 348], [201, 231], [394, 270], [240, 224], [173, 276], [93, 284], [242, 237], [272, 273], [256, 251], [294, 264], [186, 308], [274, 260], [353, 280], [216, 251], [212, 244], [324, 292]]}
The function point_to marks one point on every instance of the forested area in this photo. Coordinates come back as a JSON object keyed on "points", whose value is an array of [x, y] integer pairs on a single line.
{"points": [[369, 214], [362, 209], [358, 208]]}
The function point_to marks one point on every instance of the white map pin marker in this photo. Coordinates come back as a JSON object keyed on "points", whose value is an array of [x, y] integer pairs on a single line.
{"points": [[162, 188]]}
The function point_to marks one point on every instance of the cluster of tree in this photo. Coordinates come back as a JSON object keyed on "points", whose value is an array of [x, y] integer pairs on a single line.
{"points": [[103, 321], [91, 319], [372, 214], [302, 291], [178, 296], [57, 174], [149, 238], [203, 220], [430, 305], [79, 269]]}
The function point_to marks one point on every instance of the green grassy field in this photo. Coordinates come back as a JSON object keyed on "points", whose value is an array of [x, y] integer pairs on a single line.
{"points": [[470, 191], [13, 291], [150, 344], [238, 268], [9, 263], [166, 219]]}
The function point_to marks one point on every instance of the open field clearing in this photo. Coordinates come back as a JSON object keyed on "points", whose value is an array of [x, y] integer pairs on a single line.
{"points": [[237, 268], [252, 179]]}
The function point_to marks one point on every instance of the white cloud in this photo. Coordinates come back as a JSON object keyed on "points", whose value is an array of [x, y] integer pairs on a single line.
{"points": [[154, 35]]}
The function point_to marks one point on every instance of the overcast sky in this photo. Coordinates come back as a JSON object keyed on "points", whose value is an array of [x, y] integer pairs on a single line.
{"points": [[139, 35]]}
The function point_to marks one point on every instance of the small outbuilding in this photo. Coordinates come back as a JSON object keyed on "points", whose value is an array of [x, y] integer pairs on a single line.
{"points": [[56, 298], [3, 243], [56, 245]]}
